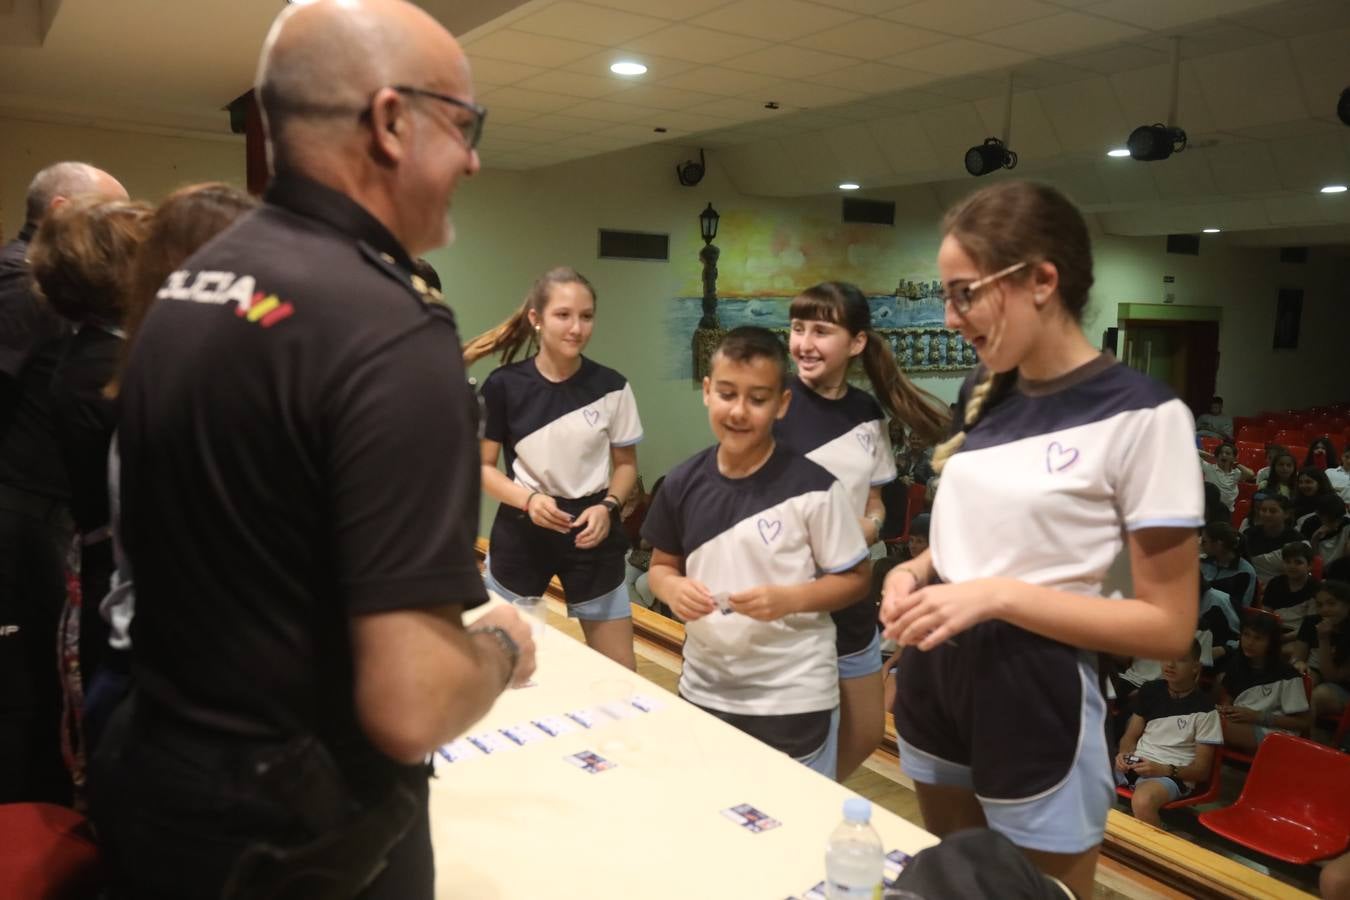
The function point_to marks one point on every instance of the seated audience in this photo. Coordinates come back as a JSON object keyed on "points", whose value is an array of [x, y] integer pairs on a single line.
{"points": [[1169, 745], [1339, 478], [1334, 882], [1223, 566], [1215, 511], [1221, 468], [1281, 476], [1326, 528], [1265, 542], [913, 459], [1290, 595], [1214, 423], [1323, 649], [1321, 455], [1312, 483], [1261, 692], [1273, 450], [1219, 620]]}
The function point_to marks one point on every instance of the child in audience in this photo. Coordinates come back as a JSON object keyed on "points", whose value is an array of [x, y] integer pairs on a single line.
{"points": [[914, 459], [1169, 745], [1323, 650], [1321, 455], [1290, 595], [1326, 529], [1339, 478], [1221, 468], [1261, 692], [1272, 450], [1223, 566], [753, 547], [1312, 483], [1281, 476], [1219, 618], [1214, 423], [1215, 511], [1265, 543]]}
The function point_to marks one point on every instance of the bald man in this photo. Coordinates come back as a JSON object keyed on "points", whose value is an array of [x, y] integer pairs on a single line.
{"points": [[34, 529], [300, 486]]}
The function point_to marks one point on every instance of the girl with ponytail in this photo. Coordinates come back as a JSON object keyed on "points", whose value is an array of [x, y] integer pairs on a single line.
{"points": [[843, 429], [570, 430], [1061, 459]]}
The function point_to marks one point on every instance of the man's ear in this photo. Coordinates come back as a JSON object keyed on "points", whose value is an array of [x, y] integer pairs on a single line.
{"points": [[389, 124]]}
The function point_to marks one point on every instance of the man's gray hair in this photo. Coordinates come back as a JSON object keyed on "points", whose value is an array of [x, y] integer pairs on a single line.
{"points": [[62, 179]]}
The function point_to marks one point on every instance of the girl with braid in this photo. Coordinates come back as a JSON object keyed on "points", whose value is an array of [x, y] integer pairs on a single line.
{"points": [[1060, 458]]}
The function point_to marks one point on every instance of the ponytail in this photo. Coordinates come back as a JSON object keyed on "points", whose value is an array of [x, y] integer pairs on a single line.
{"points": [[900, 397], [982, 396], [516, 333]]}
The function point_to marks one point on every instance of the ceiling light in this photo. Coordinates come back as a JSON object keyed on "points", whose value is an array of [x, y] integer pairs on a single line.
{"points": [[1334, 189], [848, 186], [1155, 142], [1118, 152], [992, 154], [628, 68], [1211, 230]]}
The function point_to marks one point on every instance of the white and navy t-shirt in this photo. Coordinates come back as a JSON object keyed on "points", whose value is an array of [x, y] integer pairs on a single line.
{"points": [[1276, 689], [846, 436], [1174, 726], [557, 435], [786, 524], [1054, 473]]}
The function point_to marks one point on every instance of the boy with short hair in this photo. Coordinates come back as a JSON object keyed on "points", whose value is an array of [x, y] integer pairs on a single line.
{"points": [[1266, 540], [1327, 529], [1169, 745], [1290, 596], [753, 547]]}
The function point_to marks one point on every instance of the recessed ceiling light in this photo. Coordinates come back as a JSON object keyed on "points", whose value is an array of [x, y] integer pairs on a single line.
{"points": [[628, 68], [848, 186], [1210, 230], [1118, 152], [1334, 189]]}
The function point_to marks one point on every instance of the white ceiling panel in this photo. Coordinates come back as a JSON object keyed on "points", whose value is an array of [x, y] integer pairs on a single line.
{"points": [[1062, 33], [971, 87], [723, 82], [658, 67], [1085, 115], [500, 72], [506, 115], [1292, 19], [1161, 15], [1323, 64], [871, 78], [1309, 163], [700, 45], [786, 61], [1128, 183], [774, 20], [1250, 87], [959, 57], [584, 22], [1144, 98], [911, 100], [812, 96], [575, 84], [952, 130], [686, 120], [1032, 135], [1208, 39], [870, 39], [971, 17], [609, 111], [663, 9], [858, 154], [522, 98], [905, 145], [531, 49], [1184, 176], [1120, 58], [1243, 168], [1039, 73], [662, 97]]}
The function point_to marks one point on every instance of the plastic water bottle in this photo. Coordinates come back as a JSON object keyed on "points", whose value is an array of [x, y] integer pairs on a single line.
{"points": [[854, 857]]}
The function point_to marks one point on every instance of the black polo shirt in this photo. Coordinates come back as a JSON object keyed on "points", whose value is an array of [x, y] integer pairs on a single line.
{"points": [[299, 446], [32, 339]]}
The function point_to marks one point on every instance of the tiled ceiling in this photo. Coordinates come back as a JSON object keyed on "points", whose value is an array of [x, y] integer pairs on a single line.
{"points": [[892, 93]]}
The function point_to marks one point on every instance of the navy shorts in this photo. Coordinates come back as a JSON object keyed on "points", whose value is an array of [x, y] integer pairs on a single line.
{"points": [[1019, 720], [523, 558]]}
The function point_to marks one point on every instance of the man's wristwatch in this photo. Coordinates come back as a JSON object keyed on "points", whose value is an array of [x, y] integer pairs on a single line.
{"points": [[508, 645]]}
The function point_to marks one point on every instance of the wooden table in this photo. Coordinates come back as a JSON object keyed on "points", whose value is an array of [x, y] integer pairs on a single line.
{"points": [[524, 823]]}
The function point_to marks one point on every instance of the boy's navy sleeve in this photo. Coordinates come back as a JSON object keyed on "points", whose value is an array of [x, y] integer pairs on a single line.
{"points": [[661, 528]]}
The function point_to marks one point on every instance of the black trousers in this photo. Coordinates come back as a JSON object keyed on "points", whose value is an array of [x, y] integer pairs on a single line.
{"points": [[32, 592], [174, 813]]}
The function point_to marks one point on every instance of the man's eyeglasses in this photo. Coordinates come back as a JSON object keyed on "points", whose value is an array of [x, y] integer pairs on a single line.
{"points": [[472, 130], [962, 297]]}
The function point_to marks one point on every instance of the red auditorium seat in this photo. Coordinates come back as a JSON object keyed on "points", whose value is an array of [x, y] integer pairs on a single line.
{"points": [[1205, 793], [47, 853], [1241, 508]]}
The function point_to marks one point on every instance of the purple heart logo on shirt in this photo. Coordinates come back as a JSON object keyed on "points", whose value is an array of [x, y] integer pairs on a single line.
{"points": [[865, 438], [769, 531], [1181, 724], [591, 416], [1058, 457]]}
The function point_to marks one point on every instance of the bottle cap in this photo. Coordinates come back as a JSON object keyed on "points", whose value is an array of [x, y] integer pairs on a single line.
{"points": [[858, 809]]}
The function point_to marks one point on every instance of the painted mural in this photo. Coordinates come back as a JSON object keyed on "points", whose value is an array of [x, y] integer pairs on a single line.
{"points": [[766, 260]]}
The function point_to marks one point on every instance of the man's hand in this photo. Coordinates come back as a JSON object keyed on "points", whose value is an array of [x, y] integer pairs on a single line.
{"points": [[510, 621], [690, 599]]}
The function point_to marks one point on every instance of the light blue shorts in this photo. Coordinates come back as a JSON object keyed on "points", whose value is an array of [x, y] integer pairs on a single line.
{"points": [[864, 662], [611, 605], [825, 760]]}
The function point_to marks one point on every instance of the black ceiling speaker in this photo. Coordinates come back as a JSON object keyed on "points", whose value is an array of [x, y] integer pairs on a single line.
{"points": [[1155, 142], [992, 154], [691, 173], [1343, 107]]}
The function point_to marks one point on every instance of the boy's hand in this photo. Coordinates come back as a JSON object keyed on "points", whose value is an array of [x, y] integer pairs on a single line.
{"points": [[690, 600], [1121, 764], [1239, 714], [764, 603], [594, 524], [1147, 768]]}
